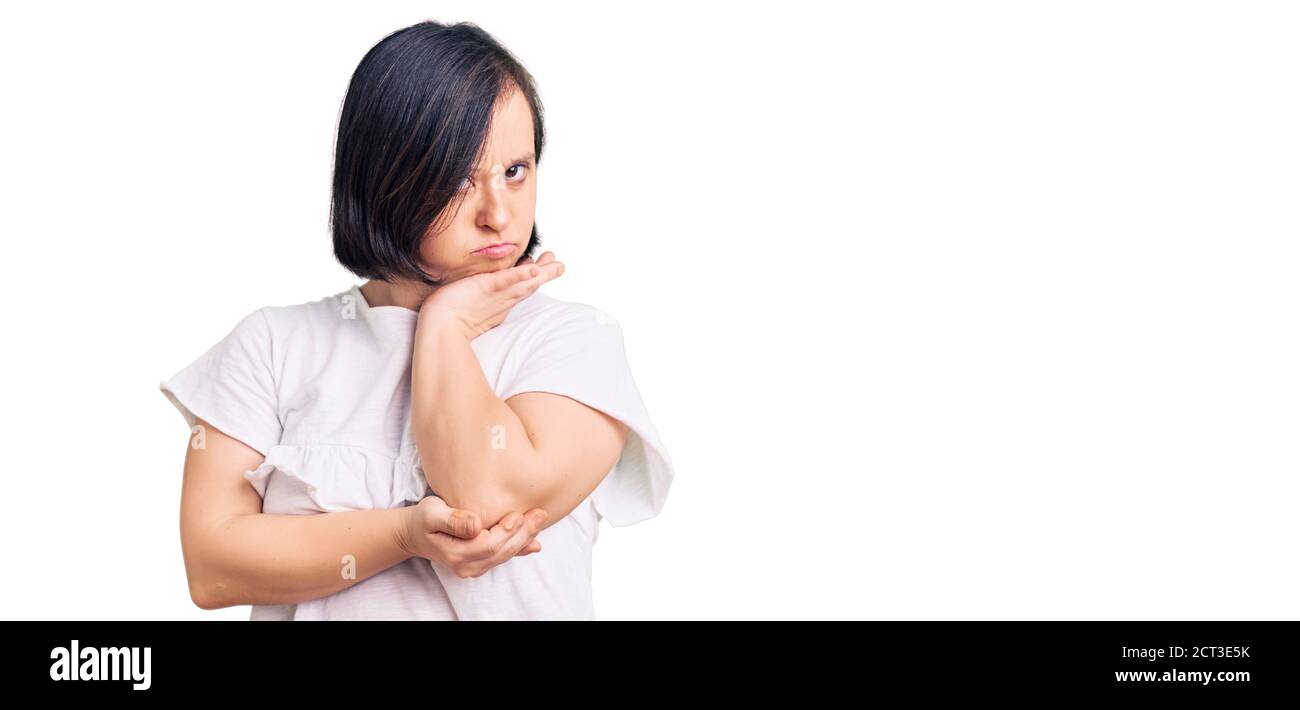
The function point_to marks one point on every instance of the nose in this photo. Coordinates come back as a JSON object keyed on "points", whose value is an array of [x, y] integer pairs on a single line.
{"points": [[493, 210]]}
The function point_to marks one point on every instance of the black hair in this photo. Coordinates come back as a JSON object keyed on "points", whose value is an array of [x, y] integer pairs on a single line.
{"points": [[412, 127]]}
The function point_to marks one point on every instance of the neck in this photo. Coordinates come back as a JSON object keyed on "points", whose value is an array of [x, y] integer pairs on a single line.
{"points": [[400, 293]]}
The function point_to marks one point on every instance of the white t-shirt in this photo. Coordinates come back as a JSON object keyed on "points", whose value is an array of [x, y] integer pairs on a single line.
{"points": [[322, 389]]}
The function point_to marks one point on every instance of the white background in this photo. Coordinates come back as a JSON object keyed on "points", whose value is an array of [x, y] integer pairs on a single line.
{"points": [[944, 310]]}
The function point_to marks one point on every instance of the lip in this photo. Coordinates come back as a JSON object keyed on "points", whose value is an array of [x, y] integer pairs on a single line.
{"points": [[496, 251]]}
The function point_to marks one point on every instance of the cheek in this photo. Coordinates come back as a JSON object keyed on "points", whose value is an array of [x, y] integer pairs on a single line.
{"points": [[526, 204], [440, 251]]}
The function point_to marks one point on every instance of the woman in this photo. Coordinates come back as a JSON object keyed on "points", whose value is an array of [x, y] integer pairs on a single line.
{"points": [[442, 441]]}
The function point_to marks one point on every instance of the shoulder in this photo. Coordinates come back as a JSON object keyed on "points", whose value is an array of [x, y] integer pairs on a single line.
{"points": [[548, 327], [328, 312], [542, 312], [265, 330]]}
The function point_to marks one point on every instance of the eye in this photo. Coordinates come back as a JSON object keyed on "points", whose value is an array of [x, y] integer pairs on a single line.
{"points": [[517, 172]]}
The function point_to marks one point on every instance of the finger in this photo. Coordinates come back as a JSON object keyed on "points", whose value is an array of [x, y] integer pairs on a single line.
{"points": [[549, 272], [441, 517], [490, 542], [533, 523], [537, 520], [525, 529], [547, 267], [545, 273], [530, 548], [463, 523], [520, 539], [506, 278], [550, 269]]}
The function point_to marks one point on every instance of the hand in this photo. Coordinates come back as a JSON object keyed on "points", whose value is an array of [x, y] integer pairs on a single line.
{"points": [[454, 538], [476, 304]]}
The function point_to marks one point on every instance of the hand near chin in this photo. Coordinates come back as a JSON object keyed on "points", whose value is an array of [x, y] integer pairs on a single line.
{"points": [[476, 304]]}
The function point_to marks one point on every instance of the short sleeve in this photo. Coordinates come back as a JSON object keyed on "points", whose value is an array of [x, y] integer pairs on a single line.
{"points": [[581, 355], [232, 386]]}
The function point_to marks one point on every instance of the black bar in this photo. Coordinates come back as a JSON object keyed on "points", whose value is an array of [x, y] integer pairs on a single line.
{"points": [[659, 659]]}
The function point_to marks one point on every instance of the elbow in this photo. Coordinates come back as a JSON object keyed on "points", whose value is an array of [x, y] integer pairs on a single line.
{"points": [[215, 577], [206, 591], [495, 488], [204, 597], [201, 593], [210, 596], [491, 503]]}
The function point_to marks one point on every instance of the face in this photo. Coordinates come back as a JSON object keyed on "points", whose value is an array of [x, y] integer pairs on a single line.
{"points": [[491, 225]]}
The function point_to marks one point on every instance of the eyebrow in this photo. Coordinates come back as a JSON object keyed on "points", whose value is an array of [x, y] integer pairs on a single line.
{"points": [[527, 158]]}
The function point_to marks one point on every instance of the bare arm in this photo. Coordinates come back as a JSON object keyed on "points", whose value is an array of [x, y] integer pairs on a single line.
{"points": [[489, 455], [235, 554]]}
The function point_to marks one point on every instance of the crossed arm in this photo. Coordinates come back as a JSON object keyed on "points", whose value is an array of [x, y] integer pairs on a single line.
{"points": [[494, 456], [484, 457], [236, 554]]}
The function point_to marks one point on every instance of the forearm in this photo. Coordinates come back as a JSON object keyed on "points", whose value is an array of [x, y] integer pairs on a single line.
{"points": [[282, 559], [475, 450]]}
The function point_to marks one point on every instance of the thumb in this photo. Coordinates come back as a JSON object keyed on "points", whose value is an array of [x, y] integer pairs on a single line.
{"points": [[453, 521]]}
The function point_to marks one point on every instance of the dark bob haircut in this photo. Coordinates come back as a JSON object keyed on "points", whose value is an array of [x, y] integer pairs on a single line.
{"points": [[413, 126]]}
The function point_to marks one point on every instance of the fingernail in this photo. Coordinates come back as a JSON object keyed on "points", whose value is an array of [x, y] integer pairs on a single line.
{"points": [[539, 517], [514, 522]]}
